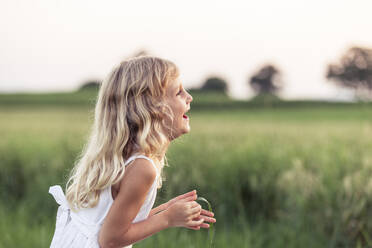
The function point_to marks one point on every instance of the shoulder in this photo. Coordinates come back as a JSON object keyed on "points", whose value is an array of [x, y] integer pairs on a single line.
{"points": [[138, 178], [141, 169], [138, 173]]}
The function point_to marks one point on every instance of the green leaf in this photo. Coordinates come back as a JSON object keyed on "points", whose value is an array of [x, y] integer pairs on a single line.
{"points": [[211, 228]]}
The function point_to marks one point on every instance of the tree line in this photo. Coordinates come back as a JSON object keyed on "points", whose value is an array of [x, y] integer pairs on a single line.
{"points": [[353, 71]]}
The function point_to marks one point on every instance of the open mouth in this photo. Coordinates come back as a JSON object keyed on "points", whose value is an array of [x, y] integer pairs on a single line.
{"points": [[185, 116]]}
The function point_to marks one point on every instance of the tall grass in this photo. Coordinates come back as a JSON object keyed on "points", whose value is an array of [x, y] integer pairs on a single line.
{"points": [[276, 177]]}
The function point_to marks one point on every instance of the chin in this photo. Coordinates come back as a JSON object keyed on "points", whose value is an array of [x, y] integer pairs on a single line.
{"points": [[181, 132], [186, 130]]}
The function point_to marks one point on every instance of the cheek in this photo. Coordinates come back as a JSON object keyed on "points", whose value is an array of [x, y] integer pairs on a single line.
{"points": [[173, 118], [177, 109]]}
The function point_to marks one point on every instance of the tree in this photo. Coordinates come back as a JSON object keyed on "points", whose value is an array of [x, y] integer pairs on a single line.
{"points": [[90, 85], [266, 81], [215, 84], [354, 71]]}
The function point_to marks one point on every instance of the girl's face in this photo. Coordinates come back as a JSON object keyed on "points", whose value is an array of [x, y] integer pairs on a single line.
{"points": [[178, 99]]}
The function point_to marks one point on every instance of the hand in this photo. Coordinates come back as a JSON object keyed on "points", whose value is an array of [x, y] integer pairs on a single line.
{"points": [[184, 213], [190, 196], [204, 214], [207, 216]]}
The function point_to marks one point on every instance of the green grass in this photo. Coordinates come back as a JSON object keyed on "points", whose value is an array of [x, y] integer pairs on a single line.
{"points": [[287, 175]]}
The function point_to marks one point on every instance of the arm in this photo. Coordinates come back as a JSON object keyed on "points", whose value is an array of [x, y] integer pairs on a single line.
{"points": [[160, 221], [143, 229], [158, 209], [118, 229], [137, 180]]}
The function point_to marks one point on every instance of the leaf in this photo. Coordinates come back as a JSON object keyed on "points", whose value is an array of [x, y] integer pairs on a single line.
{"points": [[211, 228]]}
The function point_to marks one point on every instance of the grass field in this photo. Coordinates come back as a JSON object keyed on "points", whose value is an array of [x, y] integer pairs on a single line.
{"points": [[283, 175]]}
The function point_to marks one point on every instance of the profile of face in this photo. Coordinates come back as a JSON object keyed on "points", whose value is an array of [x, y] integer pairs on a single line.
{"points": [[178, 99]]}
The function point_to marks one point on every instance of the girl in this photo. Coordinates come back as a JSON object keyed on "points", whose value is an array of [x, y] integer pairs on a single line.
{"points": [[141, 108]]}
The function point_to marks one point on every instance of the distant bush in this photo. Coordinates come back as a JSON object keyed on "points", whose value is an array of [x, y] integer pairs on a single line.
{"points": [[215, 84], [90, 85]]}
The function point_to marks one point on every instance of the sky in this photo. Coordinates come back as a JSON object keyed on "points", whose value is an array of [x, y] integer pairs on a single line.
{"points": [[56, 45]]}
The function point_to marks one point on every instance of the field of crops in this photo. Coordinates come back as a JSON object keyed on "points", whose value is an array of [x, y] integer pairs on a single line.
{"points": [[289, 175]]}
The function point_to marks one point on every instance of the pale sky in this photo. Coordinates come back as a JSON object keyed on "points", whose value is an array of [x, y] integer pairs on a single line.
{"points": [[55, 45]]}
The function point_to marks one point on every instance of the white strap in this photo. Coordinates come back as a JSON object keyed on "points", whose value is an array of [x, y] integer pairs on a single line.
{"points": [[144, 157]]}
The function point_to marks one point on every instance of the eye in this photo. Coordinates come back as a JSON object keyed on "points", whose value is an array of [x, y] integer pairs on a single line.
{"points": [[179, 92]]}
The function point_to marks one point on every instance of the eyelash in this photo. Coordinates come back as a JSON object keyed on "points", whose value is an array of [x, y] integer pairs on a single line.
{"points": [[179, 92]]}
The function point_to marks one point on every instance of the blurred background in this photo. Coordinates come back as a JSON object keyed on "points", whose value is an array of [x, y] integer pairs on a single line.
{"points": [[281, 119]]}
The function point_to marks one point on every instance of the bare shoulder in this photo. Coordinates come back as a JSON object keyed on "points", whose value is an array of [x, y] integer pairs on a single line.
{"points": [[142, 168], [139, 172]]}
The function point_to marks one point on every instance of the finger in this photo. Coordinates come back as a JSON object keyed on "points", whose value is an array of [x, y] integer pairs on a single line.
{"points": [[189, 198], [207, 213], [208, 219], [193, 192], [194, 204], [191, 204], [193, 227], [195, 210], [180, 197], [195, 216], [195, 222], [204, 225]]}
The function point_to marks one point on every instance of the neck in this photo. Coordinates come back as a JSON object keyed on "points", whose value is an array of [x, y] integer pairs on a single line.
{"points": [[161, 155]]}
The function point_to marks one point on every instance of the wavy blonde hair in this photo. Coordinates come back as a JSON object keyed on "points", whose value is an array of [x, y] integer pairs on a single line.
{"points": [[129, 118]]}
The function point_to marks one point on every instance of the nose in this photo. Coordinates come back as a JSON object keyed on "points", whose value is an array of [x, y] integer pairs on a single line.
{"points": [[189, 97]]}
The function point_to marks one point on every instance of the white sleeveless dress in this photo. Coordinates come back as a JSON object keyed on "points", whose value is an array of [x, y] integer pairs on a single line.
{"points": [[81, 229]]}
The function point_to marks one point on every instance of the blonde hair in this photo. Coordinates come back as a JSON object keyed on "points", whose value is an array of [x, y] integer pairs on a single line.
{"points": [[129, 118]]}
